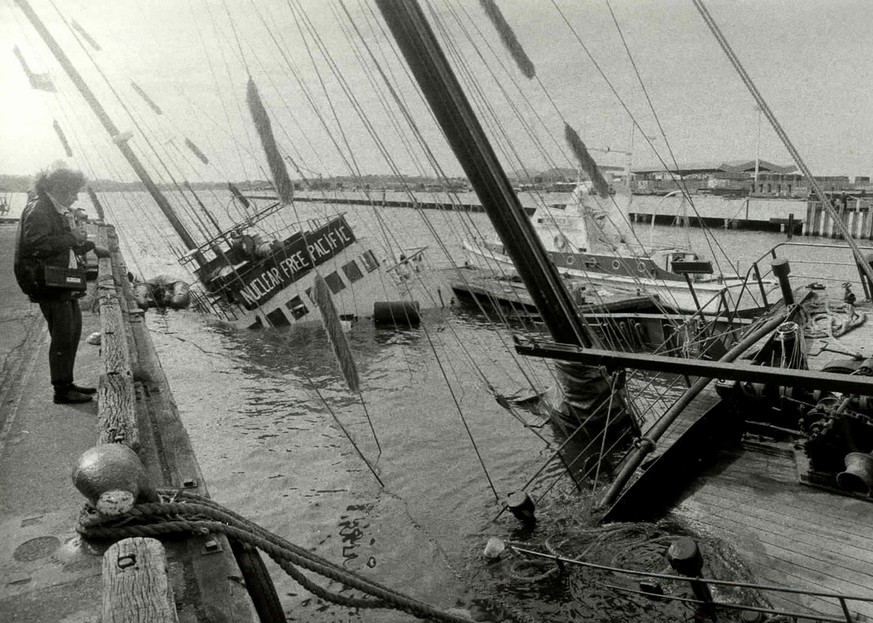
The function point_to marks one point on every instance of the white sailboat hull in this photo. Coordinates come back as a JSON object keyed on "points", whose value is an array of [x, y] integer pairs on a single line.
{"points": [[712, 297]]}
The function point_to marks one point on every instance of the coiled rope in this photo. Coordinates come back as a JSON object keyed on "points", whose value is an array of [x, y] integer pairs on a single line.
{"points": [[185, 512]]}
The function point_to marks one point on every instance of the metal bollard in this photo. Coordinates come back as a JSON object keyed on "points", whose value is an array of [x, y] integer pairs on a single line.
{"points": [[781, 269], [522, 507], [685, 558]]}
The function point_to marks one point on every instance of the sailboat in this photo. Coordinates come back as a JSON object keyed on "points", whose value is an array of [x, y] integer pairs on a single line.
{"points": [[781, 452], [590, 242], [251, 279], [542, 278]]}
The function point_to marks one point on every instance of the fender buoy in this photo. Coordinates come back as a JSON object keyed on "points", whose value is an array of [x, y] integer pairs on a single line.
{"points": [[179, 295], [142, 294], [162, 291]]}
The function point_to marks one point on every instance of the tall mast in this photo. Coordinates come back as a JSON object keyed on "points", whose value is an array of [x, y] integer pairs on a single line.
{"points": [[110, 127], [470, 145]]}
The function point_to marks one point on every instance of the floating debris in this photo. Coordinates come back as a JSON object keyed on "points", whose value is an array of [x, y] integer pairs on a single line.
{"points": [[162, 292], [494, 548]]}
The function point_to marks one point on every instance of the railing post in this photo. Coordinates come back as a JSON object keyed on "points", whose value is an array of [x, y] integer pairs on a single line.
{"points": [[782, 269], [693, 293], [685, 558], [761, 285], [846, 612]]}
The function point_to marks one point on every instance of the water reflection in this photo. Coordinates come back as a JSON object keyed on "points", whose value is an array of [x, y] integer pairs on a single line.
{"points": [[256, 405]]}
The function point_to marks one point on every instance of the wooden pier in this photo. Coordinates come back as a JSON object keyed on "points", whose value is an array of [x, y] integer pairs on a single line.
{"points": [[786, 225], [47, 573], [749, 486], [853, 210]]}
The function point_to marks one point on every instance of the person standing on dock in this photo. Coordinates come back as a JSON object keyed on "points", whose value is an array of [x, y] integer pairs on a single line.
{"points": [[49, 236]]}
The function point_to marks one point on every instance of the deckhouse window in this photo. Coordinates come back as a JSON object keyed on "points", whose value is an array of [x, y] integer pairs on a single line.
{"points": [[370, 261], [334, 282], [353, 273], [297, 307], [277, 318]]}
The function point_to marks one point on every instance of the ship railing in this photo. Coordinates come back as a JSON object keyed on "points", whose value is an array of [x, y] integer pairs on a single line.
{"points": [[826, 269], [207, 248], [414, 257], [841, 599]]}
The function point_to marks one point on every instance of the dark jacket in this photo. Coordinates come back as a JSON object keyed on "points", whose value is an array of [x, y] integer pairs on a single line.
{"points": [[44, 237]]}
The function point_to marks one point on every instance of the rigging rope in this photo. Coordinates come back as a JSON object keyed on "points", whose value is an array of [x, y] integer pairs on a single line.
{"points": [[187, 513], [762, 104]]}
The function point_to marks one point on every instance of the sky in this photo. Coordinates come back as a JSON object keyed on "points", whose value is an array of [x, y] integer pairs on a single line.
{"points": [[320, 74]]}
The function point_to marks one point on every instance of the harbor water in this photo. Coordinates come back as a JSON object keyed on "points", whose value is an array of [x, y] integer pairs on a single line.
{"points": [[280, 438]]}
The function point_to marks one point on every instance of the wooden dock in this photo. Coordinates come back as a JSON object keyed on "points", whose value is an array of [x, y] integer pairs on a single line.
{"points": [[47, 573], [752, 492], [853, 210]]}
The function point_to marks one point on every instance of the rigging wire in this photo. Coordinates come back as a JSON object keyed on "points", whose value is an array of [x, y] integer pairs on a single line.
{"points": [[415, 129], [473, 84], [709, 238], [67, 112], [128, 111], [677, 181], [765, 108]]}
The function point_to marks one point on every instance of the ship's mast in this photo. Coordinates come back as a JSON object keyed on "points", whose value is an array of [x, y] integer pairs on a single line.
{"points": [[108, 124], [452, 110]]}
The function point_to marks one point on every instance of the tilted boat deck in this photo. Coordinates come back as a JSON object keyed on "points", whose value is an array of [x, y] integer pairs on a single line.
{"points": [[788, 533]]}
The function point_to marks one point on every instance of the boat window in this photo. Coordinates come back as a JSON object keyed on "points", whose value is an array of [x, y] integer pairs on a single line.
{"points": [[277, 318], [298, 307], [370, 261], [352, 271], [334, 282]]}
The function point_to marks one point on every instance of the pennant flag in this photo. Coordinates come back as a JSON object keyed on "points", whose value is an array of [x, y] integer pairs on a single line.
{"points": [[85, 36], [338, 341], [147, 99], [510, 41], [21, 60], [238, 195], [284, 187], [39, 82], [42, 82], [196, 150], [586, 161], [63, 139]]}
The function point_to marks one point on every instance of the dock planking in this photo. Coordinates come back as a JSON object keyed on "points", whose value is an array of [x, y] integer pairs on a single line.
{"points": [[789, 534], [137, 404]]}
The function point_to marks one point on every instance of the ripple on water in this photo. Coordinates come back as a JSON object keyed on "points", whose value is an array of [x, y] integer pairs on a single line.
{"points": [[260, 409]]}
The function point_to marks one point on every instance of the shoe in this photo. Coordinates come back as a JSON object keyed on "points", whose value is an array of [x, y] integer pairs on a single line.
{"points": [[83, 390], [69, 396]]}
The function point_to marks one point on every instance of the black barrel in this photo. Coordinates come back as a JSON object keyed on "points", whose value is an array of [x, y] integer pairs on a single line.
{"points": [[397, 313]]}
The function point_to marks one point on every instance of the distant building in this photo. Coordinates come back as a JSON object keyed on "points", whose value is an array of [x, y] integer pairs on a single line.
{"points": [[718, 178], [566, 179], [738, 178]]}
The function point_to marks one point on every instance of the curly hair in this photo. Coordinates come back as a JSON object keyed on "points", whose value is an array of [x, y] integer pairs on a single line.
{"points": [[58, 179]]}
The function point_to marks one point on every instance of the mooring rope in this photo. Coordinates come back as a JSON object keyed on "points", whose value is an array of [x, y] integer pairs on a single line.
{"points": [[185, 512]]}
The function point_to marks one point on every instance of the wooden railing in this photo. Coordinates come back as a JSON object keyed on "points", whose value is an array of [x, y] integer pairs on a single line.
{"points": [[136, 583], [116, 407]]}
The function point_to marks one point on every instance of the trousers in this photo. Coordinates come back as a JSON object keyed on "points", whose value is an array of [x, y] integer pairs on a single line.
{"points": [[64, 320]]}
